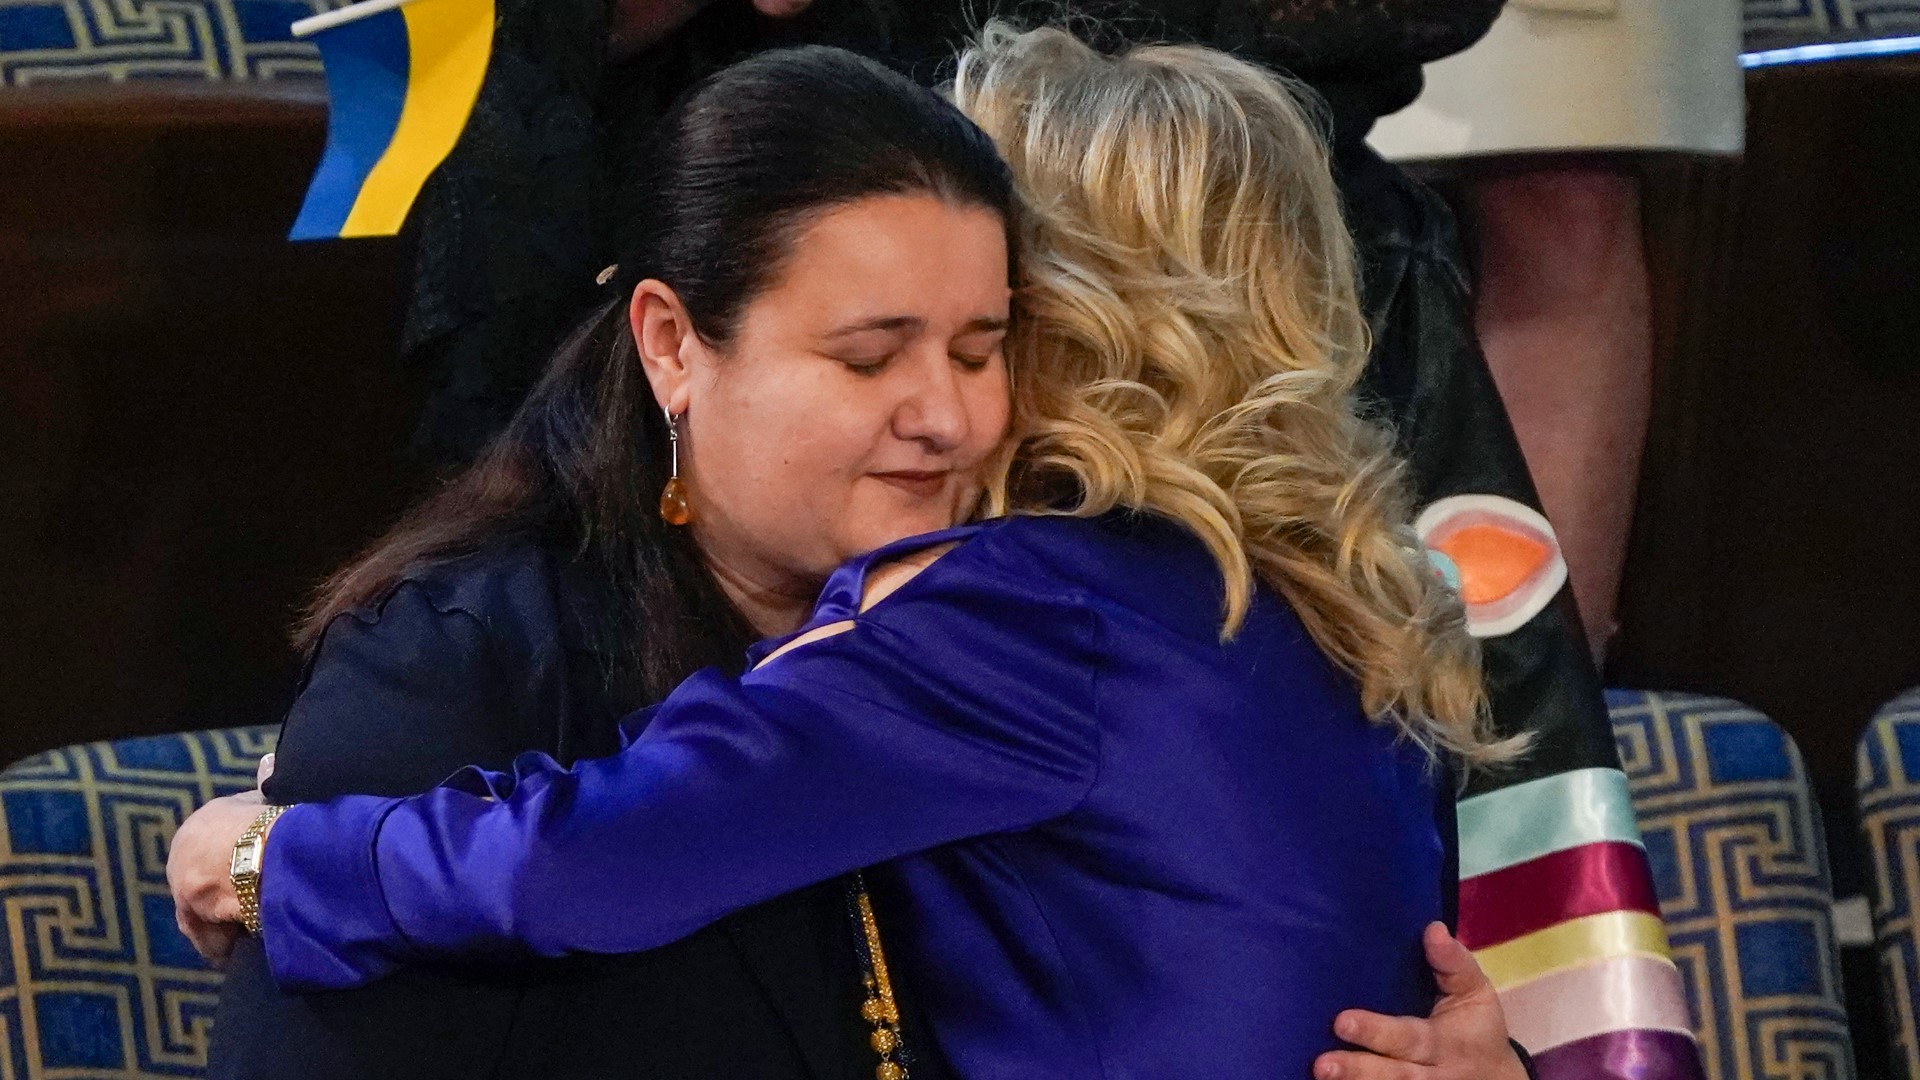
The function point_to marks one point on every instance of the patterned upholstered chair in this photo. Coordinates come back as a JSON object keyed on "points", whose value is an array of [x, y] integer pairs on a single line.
{"points": [[96, 980], [44, 42], [1740, 865], [1889, 785]]}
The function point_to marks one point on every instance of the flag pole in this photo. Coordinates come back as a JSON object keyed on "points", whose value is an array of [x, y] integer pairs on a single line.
{"points": [[327, 20]]}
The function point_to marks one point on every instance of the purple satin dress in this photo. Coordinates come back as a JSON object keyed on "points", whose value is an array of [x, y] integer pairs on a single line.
{"points": [[1113, 846]]}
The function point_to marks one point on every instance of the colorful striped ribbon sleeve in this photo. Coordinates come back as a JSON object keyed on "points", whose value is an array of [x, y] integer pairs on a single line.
{"points": [[1557, 902]]}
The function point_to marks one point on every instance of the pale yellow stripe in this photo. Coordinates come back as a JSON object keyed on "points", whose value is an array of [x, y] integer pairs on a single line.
{"points": [[1576, 941], [448, 44]]}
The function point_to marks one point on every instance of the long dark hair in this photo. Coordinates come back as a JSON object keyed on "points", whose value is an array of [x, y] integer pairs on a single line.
{"points": [[736, 169]]}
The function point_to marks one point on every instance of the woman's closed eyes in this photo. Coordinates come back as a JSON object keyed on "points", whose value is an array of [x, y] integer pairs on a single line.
{"points": [[868, 348]]}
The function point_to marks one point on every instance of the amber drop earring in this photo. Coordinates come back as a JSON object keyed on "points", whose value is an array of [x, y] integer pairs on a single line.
{"points": [[673, 497]]}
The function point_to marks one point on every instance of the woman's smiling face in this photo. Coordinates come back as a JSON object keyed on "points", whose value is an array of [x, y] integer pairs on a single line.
{"points": [[859, 399]]}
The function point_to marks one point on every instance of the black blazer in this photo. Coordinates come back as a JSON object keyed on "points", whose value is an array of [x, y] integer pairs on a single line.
{"points": [[473, 662]]}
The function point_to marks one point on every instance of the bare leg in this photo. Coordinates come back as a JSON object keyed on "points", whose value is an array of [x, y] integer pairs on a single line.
{"points": [[1563, 317]]}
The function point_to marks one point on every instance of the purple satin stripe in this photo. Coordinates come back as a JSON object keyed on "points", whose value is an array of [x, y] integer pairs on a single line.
{"points": [[1623, 1055]]}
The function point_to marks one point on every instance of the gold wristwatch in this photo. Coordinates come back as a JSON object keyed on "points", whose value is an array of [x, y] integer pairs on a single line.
{"points": [[245, 869]]}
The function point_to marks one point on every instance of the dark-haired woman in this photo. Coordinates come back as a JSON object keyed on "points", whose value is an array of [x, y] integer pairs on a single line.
{"points": [[543, 595], [916, 347]]}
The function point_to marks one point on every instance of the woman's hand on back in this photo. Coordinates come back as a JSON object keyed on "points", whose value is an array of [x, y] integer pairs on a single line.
{"points": [[640, 23], [205, 906], [1465, 1038]]}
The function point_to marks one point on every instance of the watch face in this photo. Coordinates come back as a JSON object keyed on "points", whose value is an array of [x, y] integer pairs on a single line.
{"points": [[246, 857]]}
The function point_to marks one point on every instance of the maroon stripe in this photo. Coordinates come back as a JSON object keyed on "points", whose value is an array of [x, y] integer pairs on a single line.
{"points": [[1623, 1055], [1587, 880]]}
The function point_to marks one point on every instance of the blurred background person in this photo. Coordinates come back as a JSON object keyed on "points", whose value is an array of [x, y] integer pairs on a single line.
{"points": [[1542, 129]]}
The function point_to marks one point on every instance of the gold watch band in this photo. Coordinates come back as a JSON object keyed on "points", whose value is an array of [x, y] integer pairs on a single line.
{"points": [[247, 885]]}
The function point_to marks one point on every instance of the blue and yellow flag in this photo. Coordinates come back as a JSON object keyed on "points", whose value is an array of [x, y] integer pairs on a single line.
{"points": [[402, 77]]}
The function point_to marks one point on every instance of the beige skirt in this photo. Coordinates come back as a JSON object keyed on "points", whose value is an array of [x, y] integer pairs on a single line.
{"points": [[1583, 75]]}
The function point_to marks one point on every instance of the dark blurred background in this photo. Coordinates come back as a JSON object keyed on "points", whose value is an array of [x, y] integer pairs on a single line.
{"points": [[197, 418]]}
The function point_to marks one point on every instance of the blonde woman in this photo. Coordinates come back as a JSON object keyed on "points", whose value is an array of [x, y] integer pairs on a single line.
{"points": [[1151, 763]]}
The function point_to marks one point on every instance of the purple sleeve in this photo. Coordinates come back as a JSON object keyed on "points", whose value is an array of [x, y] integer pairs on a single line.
{"points": [[956, 708]]}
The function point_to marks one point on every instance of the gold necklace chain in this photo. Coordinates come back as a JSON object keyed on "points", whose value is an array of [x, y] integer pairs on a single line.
{"points": [[879, 1009]]}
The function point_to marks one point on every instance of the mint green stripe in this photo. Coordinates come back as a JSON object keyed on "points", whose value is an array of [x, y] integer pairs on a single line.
{"points": [[1510, 826]]}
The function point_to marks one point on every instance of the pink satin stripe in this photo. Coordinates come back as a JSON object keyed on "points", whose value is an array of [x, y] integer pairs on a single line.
{"points": [[1619, 993], [1570, 884], [1624, 1055]]}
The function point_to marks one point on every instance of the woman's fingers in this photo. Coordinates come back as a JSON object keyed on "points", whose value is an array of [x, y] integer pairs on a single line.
{"points": [[213, 941], [636, 24], [1351, 1065], [202, 854], [1464, 1039], [263, 771], [1404, 1037], [204, 904], [1454, 967]]}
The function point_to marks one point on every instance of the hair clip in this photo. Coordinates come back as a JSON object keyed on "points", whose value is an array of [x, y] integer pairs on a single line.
{"points": [[607, 274]]}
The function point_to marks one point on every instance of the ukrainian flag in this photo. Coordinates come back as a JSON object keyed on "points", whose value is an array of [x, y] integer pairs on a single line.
{"points": [[402, 77]]}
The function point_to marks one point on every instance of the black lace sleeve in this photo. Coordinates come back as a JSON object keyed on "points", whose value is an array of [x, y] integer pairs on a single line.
{"points": [[1363, 56], [1355, 38], [504, 231]]}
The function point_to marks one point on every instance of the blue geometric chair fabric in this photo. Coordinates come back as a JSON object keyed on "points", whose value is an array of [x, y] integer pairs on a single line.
{"points": [[96, 980], [1889, 787], [1740, 866], [1775, 23], [51, 41]]}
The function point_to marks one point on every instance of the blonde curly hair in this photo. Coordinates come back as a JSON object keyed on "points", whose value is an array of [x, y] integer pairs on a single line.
{"points": [[1189, 343]]}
